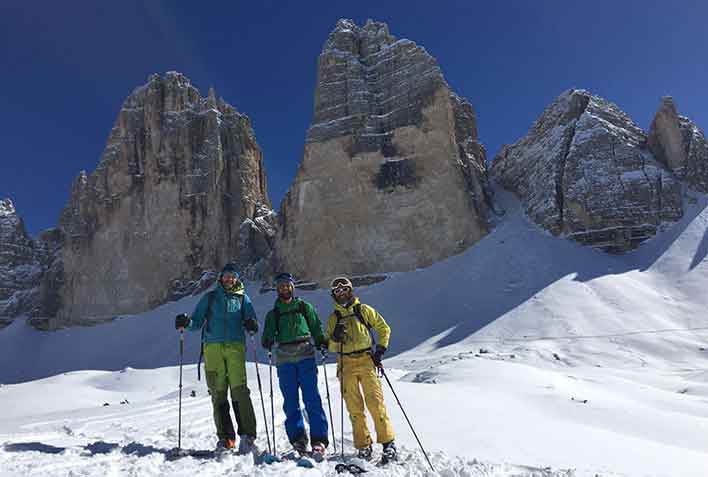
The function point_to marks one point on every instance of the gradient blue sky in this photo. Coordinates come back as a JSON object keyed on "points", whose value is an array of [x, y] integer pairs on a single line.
{"points": [[68, 66]]}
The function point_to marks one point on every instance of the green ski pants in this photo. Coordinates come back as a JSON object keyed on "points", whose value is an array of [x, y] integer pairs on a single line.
{"points": [[225, 367]]}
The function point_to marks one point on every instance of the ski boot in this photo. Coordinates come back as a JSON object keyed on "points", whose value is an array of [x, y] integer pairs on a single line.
{"points": [[300, 445], [318, 451], [365, 453], [389, 453], [225, 444], [247, 445]]}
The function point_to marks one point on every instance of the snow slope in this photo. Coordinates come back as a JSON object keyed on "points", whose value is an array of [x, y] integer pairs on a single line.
{"points": [[525, 351]]}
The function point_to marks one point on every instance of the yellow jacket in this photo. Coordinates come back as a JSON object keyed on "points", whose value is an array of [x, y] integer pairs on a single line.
{"points": [[357, 336]]}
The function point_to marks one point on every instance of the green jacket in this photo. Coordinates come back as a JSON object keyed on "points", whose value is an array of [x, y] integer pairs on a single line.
{"points": [[293, 325]]}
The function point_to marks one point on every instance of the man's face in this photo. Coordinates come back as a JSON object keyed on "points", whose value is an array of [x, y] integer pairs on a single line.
{"points": [[228, 280], [285, 290], [342, 294]]}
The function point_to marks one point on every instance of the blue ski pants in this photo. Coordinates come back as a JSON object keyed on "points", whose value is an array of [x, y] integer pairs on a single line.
{"points": [[302, 375]]}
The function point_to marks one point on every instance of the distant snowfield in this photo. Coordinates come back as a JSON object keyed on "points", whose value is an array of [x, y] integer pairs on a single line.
{"points": [[525, 355]]}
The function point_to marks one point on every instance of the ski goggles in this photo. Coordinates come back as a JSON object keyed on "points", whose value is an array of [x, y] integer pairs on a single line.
{"points": [[341, 289], [341, 282], [229, 276]]}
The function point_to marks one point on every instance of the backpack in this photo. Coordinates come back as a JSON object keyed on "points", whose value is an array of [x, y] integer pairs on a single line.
{"points": [[205, 327]]}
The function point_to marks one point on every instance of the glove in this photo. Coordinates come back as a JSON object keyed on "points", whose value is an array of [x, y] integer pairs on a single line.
{"points": [[181, 321], [267, 343], [378, 355], [251, 325], [323, 347], [339, 333]]}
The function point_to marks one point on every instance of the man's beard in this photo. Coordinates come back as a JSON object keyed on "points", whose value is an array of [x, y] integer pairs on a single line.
{"points": [[285, 295], [343, 299], [230, 289]]}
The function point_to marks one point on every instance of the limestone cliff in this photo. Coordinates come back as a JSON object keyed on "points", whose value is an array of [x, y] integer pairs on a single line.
{"points": [[393, 175], [680, 144], [584, 171], [179, 190]]}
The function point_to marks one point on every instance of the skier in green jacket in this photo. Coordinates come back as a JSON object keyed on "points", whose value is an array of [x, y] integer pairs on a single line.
{"points": [[222, 315], [293, 324]]}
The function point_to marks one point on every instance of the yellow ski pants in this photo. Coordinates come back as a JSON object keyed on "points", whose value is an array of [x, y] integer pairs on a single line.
{"points": [[360, 376]]}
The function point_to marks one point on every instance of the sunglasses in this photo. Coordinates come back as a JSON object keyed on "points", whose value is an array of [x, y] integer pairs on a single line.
{"points": [[228, 276], [341, 289]]}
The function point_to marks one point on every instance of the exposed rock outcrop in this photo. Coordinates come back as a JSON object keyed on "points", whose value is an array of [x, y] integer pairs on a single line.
{"points": [[26, 286], [179, 190], [678, 143], [393, 175], [584, 171]]}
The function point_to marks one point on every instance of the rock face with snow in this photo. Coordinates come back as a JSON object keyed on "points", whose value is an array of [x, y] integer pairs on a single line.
{"points": [[179, 190], [25, 286], [584, 171], [679, 144], [393, 175]]}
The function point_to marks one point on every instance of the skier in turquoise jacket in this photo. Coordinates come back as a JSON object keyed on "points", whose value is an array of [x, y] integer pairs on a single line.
{"points": [[223, 314]]}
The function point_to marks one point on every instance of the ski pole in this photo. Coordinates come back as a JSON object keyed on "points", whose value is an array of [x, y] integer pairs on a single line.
{"points": [[272, 409], [260, 391], [341, 389], [383, 372], [179, 422], [329, 403]]}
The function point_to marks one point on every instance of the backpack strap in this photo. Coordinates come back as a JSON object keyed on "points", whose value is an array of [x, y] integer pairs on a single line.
{"points": [[276, 313], [240, 302], [210, 301], [360, 317]]}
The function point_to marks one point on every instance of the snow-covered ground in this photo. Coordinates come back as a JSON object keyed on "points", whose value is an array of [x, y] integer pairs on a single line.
{"points": [[525, 355]]}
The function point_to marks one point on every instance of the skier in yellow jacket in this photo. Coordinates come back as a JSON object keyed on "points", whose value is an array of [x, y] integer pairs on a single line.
{"points": [[348, 330]]}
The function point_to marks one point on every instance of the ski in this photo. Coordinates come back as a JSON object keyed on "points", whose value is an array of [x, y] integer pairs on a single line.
{"points": [[174, 454], [266, 458], [301, 459], [351, 468]]}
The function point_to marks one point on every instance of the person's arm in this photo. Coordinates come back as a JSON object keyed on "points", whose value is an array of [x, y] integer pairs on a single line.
{"points": [[377, 322], [313, 322], [199, 314], [331, 322], [268, 336], [249, 313], [250, 323]]}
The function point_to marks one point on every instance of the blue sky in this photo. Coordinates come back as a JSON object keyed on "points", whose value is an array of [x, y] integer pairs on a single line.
{"points": [[68, 66]]}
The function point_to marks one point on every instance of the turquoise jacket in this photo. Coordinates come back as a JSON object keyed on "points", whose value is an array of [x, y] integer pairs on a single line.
{"points": [[225, 324]]}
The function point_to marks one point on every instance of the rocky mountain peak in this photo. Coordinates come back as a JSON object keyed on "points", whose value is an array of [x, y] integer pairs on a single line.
{"points": [[584, 171], [679, 144], [7, 208], [13, 236], [359, 41], [179, 190], [393, 149], [23, 265]]}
